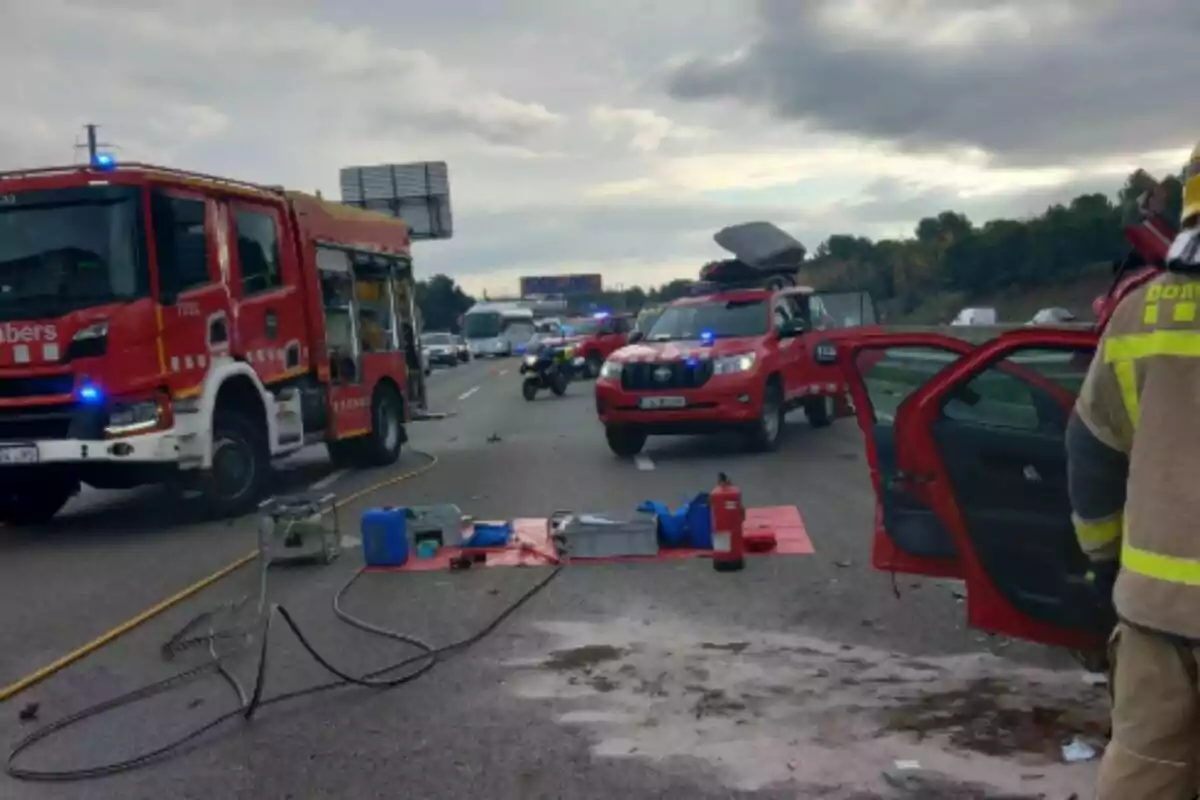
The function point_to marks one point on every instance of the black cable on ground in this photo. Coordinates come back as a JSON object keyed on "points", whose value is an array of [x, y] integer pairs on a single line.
{"points": [[247, 707]]}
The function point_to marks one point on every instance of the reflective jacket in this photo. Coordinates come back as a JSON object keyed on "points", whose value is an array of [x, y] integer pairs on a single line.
{"points": [[1133, 449]]}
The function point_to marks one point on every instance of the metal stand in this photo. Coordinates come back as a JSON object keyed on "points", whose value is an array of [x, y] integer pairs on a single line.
{"points": [[292, 530]]}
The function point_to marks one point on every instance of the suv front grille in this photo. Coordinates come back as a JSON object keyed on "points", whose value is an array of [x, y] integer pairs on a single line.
{"points": [[640, 377]]}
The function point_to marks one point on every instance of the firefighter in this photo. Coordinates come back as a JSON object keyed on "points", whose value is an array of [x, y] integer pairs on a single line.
{"points": [[1133, 454]]}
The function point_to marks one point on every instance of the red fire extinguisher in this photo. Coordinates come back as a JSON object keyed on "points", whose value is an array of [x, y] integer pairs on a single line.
{"points": [[728, 516]]}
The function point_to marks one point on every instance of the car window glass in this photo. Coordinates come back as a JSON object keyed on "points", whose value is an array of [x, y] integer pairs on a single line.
{"points": [[891, 374], [1030, 390]]}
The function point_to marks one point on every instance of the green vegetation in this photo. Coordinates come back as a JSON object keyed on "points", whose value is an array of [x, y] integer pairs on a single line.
{"points": [[1061, 257]]}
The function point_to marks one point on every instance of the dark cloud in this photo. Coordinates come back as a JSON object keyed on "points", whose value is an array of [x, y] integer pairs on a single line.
{"points": [[1048, 83]]}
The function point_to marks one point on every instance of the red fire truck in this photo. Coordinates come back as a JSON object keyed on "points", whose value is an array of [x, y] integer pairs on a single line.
{"points": [[162, 326]]}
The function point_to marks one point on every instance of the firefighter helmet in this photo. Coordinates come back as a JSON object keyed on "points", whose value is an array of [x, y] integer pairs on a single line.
{"points": [[1191, 188]]}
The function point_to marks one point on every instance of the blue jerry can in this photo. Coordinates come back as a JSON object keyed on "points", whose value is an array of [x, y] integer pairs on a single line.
{"points": [[385, 536]]}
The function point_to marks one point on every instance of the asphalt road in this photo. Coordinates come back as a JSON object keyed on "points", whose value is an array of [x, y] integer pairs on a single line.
{"points": [[803, 676]]}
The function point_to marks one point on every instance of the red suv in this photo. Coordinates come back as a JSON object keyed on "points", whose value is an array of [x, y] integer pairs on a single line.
{"points": [[596, 338], [735, 358]]}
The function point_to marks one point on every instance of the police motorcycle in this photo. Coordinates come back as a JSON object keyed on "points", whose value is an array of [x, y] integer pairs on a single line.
{"points": [[549, 366]]}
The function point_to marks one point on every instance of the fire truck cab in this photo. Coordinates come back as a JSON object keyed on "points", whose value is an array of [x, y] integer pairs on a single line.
{"points": [[162, 326]]}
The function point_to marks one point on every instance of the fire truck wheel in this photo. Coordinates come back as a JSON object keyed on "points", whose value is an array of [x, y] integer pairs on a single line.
{"points": [[382, 446], [819, 411], [241, 465], [625, 442], [38, 505], [765, 434]]}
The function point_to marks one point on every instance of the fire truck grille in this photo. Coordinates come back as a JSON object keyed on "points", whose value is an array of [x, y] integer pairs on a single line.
{"points": [[45, 386], [652, 377], [41, 422]]}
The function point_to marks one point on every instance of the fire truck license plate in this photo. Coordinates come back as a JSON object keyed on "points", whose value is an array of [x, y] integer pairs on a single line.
{"points": [[662, 402], [22, 454]]}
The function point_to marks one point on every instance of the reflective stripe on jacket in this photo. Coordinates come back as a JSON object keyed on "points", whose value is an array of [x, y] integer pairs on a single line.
{"points": [[1141, 399]]}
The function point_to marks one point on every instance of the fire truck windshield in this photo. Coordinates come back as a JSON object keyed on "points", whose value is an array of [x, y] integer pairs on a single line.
{"points": [[66, 249], [716, 319]]}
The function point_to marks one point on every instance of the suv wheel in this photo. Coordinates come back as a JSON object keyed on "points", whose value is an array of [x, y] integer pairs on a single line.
{"points": [[820, 412], [625, 442], [768, 430]]}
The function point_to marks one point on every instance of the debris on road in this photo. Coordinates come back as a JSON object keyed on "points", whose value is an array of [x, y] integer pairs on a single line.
{"points": [[1078, 750], [29, 712], [766, 709]]}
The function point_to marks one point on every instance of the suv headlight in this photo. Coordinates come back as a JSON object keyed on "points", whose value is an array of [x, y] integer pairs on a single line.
{"points": [[611, 369], [731, 365]]}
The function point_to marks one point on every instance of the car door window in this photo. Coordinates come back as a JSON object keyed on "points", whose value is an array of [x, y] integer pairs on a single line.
{"points": [[1029, 391], [891, 374]]}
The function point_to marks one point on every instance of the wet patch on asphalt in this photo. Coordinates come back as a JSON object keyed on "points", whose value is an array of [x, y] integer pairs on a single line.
{"points": [[764, 709]]}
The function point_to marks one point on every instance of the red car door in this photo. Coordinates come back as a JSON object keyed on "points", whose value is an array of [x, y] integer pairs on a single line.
{"points": [[882, 371], [970, 471]]}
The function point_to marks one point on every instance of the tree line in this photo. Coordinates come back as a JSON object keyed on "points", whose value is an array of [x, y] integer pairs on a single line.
{"points": [[947, 253]]}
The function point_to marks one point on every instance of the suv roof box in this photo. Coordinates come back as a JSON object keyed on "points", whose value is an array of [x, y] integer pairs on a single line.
{"points": [[761, 245], [762, 253]]}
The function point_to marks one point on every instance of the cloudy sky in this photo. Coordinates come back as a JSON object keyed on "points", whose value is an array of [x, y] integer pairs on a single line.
{"points": [[616, 136]]}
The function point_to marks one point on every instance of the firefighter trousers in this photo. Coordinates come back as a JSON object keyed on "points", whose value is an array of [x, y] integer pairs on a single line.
{"points": [[1155, 745]]}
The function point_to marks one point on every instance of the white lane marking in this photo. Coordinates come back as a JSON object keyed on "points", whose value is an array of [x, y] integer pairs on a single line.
{"points": [[328, 480], [643, 463], [468, 393], [502, 372], [350, 542]]}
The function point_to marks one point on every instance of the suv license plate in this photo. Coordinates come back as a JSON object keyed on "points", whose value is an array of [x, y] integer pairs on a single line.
{"points": [[24, 454], [662, 402]]}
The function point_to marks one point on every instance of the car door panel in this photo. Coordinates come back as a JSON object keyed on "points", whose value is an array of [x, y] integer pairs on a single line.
{"points": [[882, 371], [912, 527], [990, 431], [1012, 491]]}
